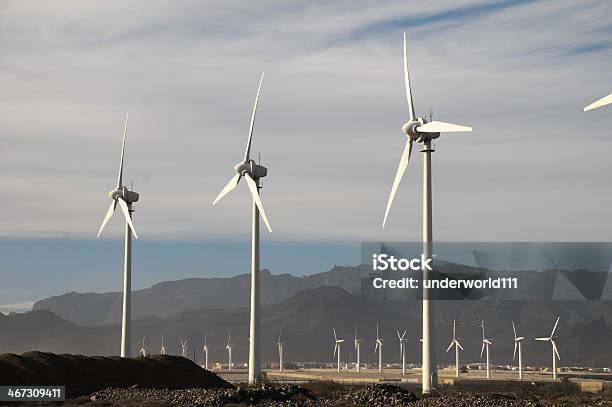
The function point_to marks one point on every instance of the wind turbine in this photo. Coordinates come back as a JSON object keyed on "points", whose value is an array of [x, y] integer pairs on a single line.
{"points": [[229, 351], [337, 344], [378, 347], [599, 103], [205, 350], [143, 350], [125, 198], [555, 352], [517, 345], [184, 347], [358, 351], [252, 173], [457, 345], [402, 341], [163, 348], [419, 130], [280, 352], [485, 344]]}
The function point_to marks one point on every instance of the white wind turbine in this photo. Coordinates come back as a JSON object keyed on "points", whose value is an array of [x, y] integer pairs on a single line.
{"points": [[457, 345], [337, 344], [205, 350], [517, 345], [555, 351], [184, 347], [280, 352], [252, 173], [419, 130], [229, 351], [402, 341], [378, 347], [163, 348], [125, 198], [599, 103], [485, 344], [143, 350], [358, 351]]}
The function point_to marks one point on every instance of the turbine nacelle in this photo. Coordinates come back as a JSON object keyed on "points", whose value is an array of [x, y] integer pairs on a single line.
{"points": [[410, 129], [124, 193], [251, 168]]}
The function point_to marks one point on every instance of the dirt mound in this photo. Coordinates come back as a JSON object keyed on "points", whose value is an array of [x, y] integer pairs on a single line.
{"points": [[84, 375]]}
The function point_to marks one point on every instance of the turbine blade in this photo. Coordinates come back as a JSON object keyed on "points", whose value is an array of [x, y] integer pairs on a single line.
{"points": [[407, 82], [335, 337], [233, 183], [120, 176], [514, 353], [398, 176], [454, 329], [598, 103], [554, 328], [126, 212], [542, 339], [441, 127], [554, 345], [255, 193], [514, 329], [109, 214], [458, 344], [398, 335], [450, 346], [482, 350], [247, 153], [335, 348]]}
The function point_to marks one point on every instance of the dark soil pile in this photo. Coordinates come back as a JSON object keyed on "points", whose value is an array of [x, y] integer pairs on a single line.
{"points": [[84, 375]]}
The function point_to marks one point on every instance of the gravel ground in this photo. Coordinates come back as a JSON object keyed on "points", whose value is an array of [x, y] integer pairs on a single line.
{"points": [[327, 395]]}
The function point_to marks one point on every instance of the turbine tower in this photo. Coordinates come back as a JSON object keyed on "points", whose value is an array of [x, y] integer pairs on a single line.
{"points": [[337, 344], [252, 173], [143, 350], [378, 347], [184, 347], [599, 103], [229, 352], [163, 348], [402, 342], [358, 351], [555, 352], [419, 130], [125, 199], [517, 345], [280, 352], [205, 350], [485, 344], [457, 345]]}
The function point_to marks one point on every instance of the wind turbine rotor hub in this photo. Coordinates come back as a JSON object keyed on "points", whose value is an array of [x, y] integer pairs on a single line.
{"points": [[410, 130], [250, 167]]}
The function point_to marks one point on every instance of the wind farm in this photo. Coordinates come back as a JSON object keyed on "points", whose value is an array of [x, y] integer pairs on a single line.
{"points": [[508, 303]]}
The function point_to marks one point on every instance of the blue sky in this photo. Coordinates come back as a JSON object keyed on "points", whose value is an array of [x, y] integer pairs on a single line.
{"points": [[519, 72]]}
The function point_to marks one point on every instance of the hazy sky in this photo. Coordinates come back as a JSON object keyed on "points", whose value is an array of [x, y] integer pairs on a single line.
{"points": [[519, 72]]}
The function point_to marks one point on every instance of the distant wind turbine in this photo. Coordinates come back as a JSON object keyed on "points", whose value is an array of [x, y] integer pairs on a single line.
{"points": [[163, 348], [184, 347], [229, 351], [457, 345], [280, 352], [143, 350], [358, 351], [125, 199], [419, 130], [599, 103], [555, 351], [337, 344], [252, 173], [378, 347], [517, 345], [402, 341], [205, 350], [485, 344]]}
